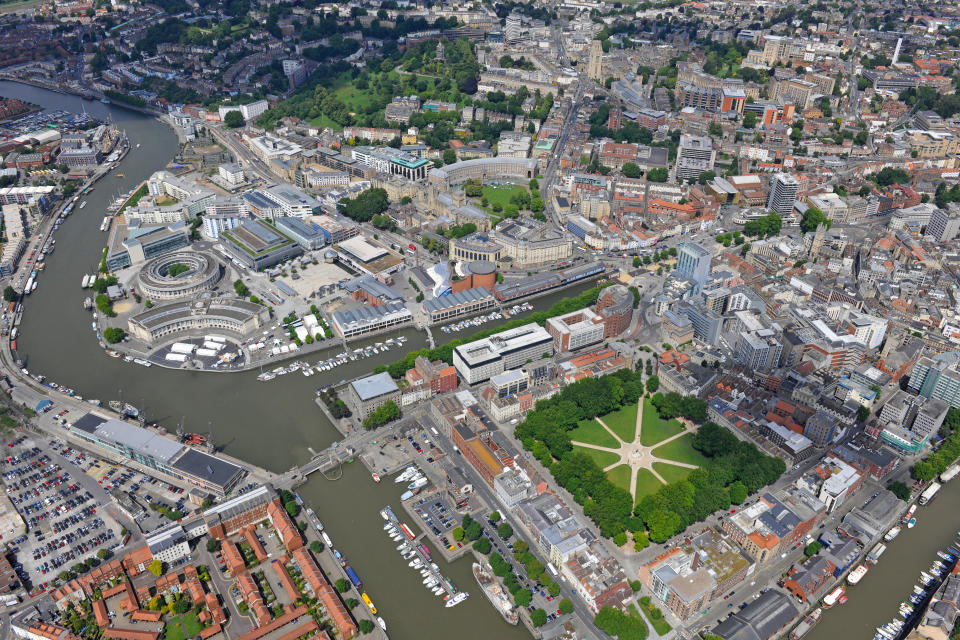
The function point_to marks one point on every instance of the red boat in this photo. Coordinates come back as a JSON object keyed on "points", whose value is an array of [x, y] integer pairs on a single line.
{"points": [[195, 438], [376, 477]]}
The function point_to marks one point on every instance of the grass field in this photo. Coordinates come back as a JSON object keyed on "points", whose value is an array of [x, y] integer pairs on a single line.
{"points": [[592, 432], [681, 450], [654, 428], [671, 472], [647, 483], [323, 122], [501, 194], [181, 627], [602, 458], [623, 422], [620, 476], [661, 626]]}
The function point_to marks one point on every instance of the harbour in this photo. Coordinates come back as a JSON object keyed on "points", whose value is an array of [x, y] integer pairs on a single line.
{"points": [[273, 426]]}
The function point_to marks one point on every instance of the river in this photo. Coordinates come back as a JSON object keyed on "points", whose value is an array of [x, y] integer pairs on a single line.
{"points": [[269, 424]]}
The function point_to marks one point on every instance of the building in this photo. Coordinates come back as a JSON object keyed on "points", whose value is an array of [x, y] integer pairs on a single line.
{"points": [[938, 378], [702, 568], [595, 62], [368, 394], [236, 316], [597, 578], [248, 111], [258, 245], [232, 173], [767, 616], [783, 194], [488, 452], [693, 263], [478, 361], [462, 303], [438, 376], [821, 428], [695, 155], [554, 529], [370, 319], [705, 321], [132, 244], [130, 444], [168, 544], [615, 306], [309, 237], [944, 225], [758, 350], [575, 330]]}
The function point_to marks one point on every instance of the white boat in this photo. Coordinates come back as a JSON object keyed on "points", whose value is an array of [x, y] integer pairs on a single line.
{"points": [[395, 536], [82, 204], [429, 580], [857, 574], [457, 599], [438, 591], [893, 533], [326, 539], [34, 287], [406, 475], [380, 621]]}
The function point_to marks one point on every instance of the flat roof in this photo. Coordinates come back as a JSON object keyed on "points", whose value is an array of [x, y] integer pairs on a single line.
{"points": [[210, 468], [137, 439], [359, 247], [374, 386]]}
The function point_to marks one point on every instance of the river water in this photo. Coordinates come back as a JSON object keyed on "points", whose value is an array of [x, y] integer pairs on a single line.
{"points": [[269, 424]]}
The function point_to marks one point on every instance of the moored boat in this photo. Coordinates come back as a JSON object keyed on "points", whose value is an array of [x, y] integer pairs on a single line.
{"points": [[495, 594], [857, 574], [457, 599]]}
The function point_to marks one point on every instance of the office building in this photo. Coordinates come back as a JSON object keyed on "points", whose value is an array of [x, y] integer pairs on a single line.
{"points": [[258, 245], [759, 350], [706, 322], [575, 330], [695, 155], [783, 194], [944, 224], [369, 394], [937, 377], [693, 263], [480, 360], [821, 428]]}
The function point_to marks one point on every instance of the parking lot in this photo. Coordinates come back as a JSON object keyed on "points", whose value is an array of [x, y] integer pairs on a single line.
{"points": [[62, 511]]}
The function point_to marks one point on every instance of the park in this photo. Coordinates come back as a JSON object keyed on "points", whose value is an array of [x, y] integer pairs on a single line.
{"points": [[637, 449]]}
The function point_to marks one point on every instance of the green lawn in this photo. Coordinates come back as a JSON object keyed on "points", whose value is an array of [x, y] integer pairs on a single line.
{"points": [[671, 472], [501, 194], [623, 422], [654, 428], [647, 483], [661, 626], [620, 476], [323, 122], [181, 627], [602, 458], [681, 450], [592, 432]]}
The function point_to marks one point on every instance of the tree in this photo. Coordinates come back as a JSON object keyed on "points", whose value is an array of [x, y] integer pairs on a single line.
{"points": [[706, 176], [749, 120], [316, 546], [342, 585], [653, 383], [449, 156], [631, 170], [658, 174], [241, 289], [458, 534], [505, 530], [365, 626], [495, 517], [863, 412], [213, 545], [103, 554], [156, 568], [900, 490], [620, 539], [812, 548], [292, 508], [522, 598], [9, 294], [538, 617], [483, 546], [233, 120], [366, 205], [181, 606], [738, 492], [114, 335], [565, 606], [812, 218], [716, 130], [382, 415]]}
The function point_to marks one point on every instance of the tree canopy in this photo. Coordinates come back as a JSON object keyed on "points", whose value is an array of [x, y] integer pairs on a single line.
{"points": [[366, 205]]}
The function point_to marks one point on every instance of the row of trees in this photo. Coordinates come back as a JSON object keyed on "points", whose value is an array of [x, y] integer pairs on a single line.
{"points": [[948, 452], [382, 415], [735, 470], [545, 433], [768, 225], [445, 352], [365, 206]]}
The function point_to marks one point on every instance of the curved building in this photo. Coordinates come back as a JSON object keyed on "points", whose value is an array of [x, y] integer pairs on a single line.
{"points": [[155, 282], [231, 314], [482, 168], [615, 306]]}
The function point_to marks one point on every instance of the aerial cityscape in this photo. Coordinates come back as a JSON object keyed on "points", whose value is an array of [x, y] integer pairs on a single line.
{"points": [[567, 319]]}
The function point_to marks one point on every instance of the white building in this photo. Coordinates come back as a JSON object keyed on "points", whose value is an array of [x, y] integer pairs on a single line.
{"points": [[479, 361], [169, 544], [248, 111], [232, 173]]}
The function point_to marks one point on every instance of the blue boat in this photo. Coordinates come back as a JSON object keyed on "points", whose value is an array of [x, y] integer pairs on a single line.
{"points": [[354, 578]]}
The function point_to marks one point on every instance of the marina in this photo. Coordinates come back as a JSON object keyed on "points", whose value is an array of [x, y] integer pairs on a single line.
{"points": [[328, 364], [419, 559], [476, 321]]}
